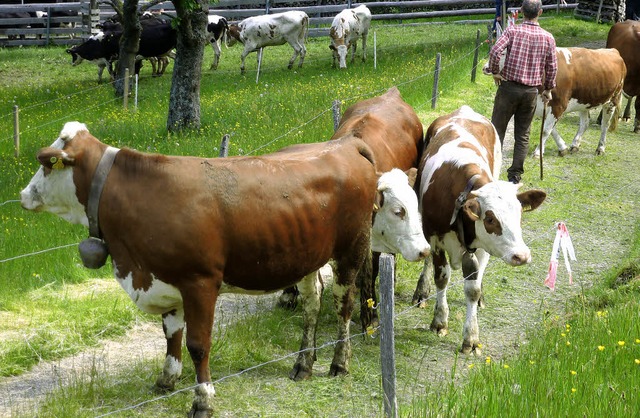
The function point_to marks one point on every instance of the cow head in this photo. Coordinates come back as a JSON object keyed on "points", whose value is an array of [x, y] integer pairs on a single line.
{"points": [[52, 188], [397, 226], [233, 35], [496, 212]]}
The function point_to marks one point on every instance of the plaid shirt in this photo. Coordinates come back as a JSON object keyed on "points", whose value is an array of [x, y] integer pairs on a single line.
{"points": [[531, 55]]}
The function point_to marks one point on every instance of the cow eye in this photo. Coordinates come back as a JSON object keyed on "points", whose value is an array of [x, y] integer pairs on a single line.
{"points": [[400, 212], [490, 220]]}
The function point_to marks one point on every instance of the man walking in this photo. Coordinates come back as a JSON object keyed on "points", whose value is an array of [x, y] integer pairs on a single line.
{"points": [[530, 64]]}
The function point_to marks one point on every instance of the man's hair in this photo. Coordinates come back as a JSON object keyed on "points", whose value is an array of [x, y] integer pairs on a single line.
{"points": [[531, 8]]}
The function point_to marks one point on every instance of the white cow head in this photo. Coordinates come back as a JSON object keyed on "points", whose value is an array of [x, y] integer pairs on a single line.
{"points": [[52, 188], [397, 225], [497, 210]]}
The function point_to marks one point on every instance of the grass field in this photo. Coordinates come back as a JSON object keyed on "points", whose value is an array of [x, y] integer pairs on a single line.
{"points": [[573, 352]]}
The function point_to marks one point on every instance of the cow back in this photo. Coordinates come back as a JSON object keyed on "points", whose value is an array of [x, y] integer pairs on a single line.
{"points": [[389, 126]]}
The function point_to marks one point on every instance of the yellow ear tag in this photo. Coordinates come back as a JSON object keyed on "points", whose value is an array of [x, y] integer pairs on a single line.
{"points": [[57, 163]]}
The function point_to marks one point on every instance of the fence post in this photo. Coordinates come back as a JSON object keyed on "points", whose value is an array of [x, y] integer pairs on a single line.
{"points": [[336, 114], [387, 342], [224, 146], [126, 88], [599, 11], [375, 51], [48, 29], [16, 131], [259, 64], [475, 57], [436, 76]]}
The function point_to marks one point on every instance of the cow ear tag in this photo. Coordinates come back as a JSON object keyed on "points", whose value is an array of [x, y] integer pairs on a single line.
{"points": [[57, 163], [93, 252]]}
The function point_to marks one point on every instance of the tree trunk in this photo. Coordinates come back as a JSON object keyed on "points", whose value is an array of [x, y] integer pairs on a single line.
{"points": [[129, 44], [184, 99]]}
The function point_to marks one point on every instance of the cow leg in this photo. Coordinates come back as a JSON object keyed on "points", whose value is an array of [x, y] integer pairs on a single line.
{"points": [[199, 304], [296, 52], [303, 53], [367, 283], [343, 298], [353, 46], [584, 124], [311, 293], [608, 121], [421, 294], [636, 125], [626, 115], [216, 55], [101, 67], [173, 326], [242, 57], [441, 274], [472, 292]]}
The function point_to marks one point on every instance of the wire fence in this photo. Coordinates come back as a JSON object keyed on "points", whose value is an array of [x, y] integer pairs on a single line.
{"points": [[546, 235]]}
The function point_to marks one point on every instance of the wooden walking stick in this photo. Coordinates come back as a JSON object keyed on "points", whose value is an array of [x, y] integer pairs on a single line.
{"points": [[544, 116]]}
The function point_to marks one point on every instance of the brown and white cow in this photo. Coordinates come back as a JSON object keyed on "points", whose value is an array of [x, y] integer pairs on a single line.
{"points": [[271, 30], [467, 213], [586, 79], [181, 230], [625, 37], [347, 27]]}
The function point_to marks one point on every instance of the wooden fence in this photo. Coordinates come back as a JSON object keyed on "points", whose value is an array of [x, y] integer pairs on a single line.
{"points": [[35, 30]]}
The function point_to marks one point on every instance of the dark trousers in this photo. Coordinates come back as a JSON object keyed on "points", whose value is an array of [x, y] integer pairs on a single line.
{"points": [[519, 101]]}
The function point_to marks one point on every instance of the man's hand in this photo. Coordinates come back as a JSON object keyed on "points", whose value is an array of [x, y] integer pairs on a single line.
{"points": [[546, 96], [497, 79]]}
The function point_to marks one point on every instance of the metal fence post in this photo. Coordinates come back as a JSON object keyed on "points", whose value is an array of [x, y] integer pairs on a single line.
{"points": [[436, 76], [475, 57], [16, 131], [336, 114]]}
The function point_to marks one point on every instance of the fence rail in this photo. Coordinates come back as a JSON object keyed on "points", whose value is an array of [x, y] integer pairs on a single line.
{"points": [[29, 29]]}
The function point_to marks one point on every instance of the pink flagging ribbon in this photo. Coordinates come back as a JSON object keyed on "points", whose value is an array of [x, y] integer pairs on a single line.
{"points": [[562, 242]]}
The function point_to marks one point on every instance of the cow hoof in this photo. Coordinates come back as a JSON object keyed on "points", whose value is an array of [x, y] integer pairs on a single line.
{"points": [[338, 370], [563, 152], [200, 413], [469, 349], [441, 330], [290, 66], [165, 384], [299, 373], [419, 300], [574, 150]]}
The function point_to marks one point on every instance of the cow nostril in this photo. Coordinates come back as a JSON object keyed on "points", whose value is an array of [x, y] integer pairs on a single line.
{"points": [[519, 259]]}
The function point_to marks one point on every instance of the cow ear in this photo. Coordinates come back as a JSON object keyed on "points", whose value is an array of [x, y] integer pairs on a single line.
{"points": [[54, 158], [531, 199], [471, 209], [412, 173]]}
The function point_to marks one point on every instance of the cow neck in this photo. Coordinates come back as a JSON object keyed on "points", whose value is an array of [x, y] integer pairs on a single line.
{"points": [[97, 184], [456, 218]]}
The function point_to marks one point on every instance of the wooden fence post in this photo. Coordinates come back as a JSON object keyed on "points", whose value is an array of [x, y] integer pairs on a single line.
{"points": [[436, 76], [224, 146], [16, 131], [375, 51], [475, 57], [387, 341], [336, 114]]}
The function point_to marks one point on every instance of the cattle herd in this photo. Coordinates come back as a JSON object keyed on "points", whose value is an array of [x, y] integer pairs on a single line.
{"points": [[260, 224]]}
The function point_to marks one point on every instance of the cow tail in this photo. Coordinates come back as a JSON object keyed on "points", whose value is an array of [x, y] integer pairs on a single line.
{"points": [[225, 34], [306, 28], [617, 101]]}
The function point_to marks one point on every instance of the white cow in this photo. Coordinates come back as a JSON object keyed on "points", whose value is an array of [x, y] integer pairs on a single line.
{"points": [[347, 27], [269, 30]]}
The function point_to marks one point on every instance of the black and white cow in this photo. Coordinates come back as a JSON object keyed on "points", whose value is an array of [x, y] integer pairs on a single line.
{"points": [[270, 30], [217, 29]]}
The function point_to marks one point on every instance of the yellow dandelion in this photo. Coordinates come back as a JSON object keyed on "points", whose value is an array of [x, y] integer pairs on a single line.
{"points": [[601, 347], [488, 360], [370, 330], [532, 362], [573, 372], [506, 366], [637, 340], [479, 345], [563, 334], [638, 361], [568, 343], [568, 327], [573, 390], [371, 303], [621, 343], [471, 365]]}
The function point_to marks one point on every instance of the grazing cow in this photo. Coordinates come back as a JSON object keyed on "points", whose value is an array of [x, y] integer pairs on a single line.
{"points": [[269, 30], [586, 79], [347, 27], [217, 29], [625, 37], [467, 213], [180, 230], [100, 49]]}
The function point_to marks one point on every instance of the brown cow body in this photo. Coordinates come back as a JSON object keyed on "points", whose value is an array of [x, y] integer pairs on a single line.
{"points": [[467, 213], [180, 230], [625, 37], [586, 79]]}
